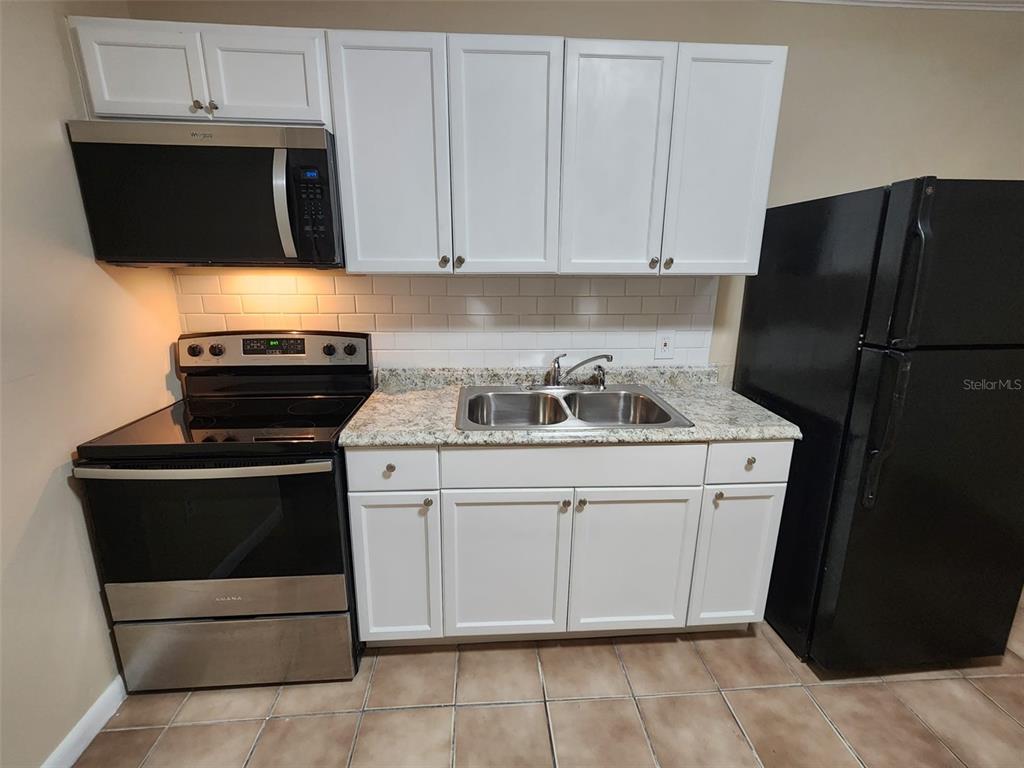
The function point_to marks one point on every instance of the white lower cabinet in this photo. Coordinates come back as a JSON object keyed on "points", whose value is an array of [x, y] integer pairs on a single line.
{"points": [[632, 555], [506, 560], [739, 525], [396, 551]]}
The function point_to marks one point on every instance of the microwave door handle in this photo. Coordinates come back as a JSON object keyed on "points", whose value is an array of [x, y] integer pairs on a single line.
{"points": [[211, 473], [284, 222]]}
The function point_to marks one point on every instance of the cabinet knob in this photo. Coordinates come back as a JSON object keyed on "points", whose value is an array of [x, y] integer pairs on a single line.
{"points": [[751, 461], [444, 261], [390, 468], [213, 106], [653, 263], [581, 504], [668, 263], [459, 261], [195, 106], [428, 502], [566, 503], [719, 495]]}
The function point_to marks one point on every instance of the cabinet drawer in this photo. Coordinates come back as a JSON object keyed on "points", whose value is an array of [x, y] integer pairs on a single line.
{"points": [[536, 466], [750, 462], [391, 469]]}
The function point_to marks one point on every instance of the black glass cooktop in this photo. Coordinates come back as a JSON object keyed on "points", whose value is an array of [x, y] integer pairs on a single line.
{"points": [[230, 426]]}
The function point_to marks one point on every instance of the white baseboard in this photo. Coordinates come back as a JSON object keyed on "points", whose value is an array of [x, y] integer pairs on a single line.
{"points": [[85, 730]]}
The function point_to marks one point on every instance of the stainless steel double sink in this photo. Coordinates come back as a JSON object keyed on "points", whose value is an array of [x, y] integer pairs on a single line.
{"points": [[553, 408]]}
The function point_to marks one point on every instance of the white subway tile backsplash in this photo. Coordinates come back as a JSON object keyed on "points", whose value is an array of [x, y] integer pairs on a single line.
{"points": [[374, 304], [222, 303], [339, 305], [463, 320], [392, 286], [198, 284]]}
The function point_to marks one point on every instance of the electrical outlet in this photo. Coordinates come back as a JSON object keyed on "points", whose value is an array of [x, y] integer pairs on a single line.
{"points": [[666, 348]]}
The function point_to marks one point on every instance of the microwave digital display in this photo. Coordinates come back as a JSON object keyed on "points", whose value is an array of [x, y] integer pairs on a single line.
{"points": [[311, 173]]}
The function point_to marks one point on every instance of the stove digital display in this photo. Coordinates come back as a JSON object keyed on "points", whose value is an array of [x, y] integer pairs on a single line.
{"points": [[285, 346]]}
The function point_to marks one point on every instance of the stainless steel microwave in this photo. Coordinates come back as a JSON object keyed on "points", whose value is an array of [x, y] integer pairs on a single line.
{"points": [[224, 195]]}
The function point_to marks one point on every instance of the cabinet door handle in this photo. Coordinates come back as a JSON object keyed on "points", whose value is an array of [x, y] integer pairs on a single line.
{"points": [[566, 503], [213, 106], [581, 504], [444, 261], [459, 261], [653, 263], [195, 106], [428, 502], [390, 468], [719, 495], [668, 263]]}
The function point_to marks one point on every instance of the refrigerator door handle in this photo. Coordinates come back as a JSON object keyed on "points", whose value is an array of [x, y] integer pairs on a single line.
{"points": [[922, 233], [877, 456]]}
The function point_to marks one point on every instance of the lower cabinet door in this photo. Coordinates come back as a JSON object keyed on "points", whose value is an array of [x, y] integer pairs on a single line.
{"points": [[632, 555], [396, 553], [739, 526], [506, 560]]}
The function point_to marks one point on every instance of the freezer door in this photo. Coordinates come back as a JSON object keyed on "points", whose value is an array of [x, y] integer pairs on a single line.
{"points": [[925, 561], [951, 265]]}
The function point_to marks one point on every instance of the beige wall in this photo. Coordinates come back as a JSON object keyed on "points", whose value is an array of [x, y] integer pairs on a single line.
{"points": [[871, 95], [61, 386]]}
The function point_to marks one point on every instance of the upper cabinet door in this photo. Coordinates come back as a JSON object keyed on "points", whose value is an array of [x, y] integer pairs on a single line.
{"points": [[260, 73], [618, 118], [142, 69], [723, 136], [391, 120], [506, 113]]}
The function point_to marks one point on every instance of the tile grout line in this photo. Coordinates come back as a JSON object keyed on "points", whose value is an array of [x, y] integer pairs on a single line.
{"points": [[263, 725], [167, 725], [455, 699], [362, 710], [987, 696], [834, 727], [920, 719], [636, 704], [547, 709]]}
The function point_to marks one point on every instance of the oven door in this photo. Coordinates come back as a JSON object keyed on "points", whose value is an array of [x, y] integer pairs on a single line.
{"points": [[218, 540]]}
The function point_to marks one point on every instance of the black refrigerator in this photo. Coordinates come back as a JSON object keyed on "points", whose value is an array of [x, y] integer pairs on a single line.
{"points": [[888, 324]]}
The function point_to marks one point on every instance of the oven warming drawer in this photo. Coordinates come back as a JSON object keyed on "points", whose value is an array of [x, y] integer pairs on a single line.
{"points": [[196, 654], [146, 601]]}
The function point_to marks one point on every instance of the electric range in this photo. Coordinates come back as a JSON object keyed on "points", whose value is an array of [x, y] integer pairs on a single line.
{"points": [[218, 523]]}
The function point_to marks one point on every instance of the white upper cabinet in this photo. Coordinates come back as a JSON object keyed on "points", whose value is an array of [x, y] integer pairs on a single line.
{"points": [[137, 68], [266, 74], [148, 70], [391, 124], [632, 554], [506, 560], [723, 136], [618, 119], [506, 113]]}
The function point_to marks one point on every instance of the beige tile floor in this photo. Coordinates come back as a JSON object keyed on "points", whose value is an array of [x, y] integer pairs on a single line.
{"points": [[727, 699]]}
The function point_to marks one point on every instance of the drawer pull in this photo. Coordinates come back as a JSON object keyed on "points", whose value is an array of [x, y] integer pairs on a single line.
{"points": [[390, 468], [751, 461], [428, 502]]}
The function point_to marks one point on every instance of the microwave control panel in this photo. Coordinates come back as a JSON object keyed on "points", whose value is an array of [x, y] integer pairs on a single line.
{"points": [[315, 225], [311, 203]]}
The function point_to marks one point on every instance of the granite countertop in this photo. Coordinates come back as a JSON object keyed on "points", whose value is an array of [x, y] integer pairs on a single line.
{"points": [[417, 407]]}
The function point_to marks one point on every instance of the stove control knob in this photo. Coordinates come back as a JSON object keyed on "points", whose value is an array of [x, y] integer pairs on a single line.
{"points": [[216, 350], [330, 349], [194, 350], [350, 349]]}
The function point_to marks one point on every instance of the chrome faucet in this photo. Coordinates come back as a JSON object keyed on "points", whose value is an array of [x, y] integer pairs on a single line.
{"points": [[554, 375]]}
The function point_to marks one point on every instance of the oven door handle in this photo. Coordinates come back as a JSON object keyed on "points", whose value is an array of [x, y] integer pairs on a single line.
{"points": [[280, 189], [211, 473]]}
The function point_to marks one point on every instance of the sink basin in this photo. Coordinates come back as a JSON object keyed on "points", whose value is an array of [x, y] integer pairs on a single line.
{"points": [[564, 408], [615, 408], [515, 409]]}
